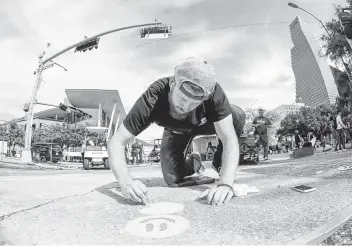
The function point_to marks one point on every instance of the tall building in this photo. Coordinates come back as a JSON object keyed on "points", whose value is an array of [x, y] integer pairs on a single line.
{"points": [[315, 84]]}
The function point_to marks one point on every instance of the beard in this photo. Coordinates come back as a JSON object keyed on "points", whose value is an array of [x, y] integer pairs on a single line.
{"points": [[174, 114]]}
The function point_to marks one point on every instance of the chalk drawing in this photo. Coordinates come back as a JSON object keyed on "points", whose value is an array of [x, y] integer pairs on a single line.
{"points": [[159, 223], [157, 226]]}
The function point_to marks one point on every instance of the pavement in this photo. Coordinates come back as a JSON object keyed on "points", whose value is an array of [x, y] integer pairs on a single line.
{"points": [[84, 207]]}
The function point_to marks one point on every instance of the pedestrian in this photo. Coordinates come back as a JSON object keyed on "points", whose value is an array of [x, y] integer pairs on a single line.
{"points": [[83, 149], [297, 139], [187, 104], [340, 132], [140, 151], [261, 124], [134, 152]]}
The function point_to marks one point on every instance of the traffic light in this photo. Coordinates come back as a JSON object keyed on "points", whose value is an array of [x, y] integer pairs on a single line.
{"points": [[156, 32], [88, 45], [26, 107], [346, 22], [63, 107]]}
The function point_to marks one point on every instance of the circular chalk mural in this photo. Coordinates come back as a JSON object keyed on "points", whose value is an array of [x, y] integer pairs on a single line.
{"points": [[162, 208], [157, 226]]}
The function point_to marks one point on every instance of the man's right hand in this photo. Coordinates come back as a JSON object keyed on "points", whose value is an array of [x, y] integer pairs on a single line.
{"points": [[135, 190]]}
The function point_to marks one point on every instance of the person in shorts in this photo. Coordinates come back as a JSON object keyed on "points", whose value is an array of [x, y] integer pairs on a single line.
{"points": [[261, 124]]}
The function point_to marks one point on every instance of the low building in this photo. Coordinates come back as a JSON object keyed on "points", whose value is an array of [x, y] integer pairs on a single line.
{"points": [[101, 108], [286, 109]]}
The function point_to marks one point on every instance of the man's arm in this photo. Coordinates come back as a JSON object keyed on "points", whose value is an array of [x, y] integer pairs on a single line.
{"points": [[116, 153], [230, 157], [255, 123]]}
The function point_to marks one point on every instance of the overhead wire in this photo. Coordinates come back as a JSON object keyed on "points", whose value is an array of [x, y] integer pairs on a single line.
{"points": [[214, 29]]}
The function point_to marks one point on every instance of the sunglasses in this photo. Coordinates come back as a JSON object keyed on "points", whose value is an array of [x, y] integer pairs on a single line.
{"points": [[191, 90]]}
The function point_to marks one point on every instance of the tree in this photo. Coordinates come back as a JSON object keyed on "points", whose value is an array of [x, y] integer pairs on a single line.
{"points": [[14, 135], [307, 119], [3, 133], [337, 49], [275, 119]]}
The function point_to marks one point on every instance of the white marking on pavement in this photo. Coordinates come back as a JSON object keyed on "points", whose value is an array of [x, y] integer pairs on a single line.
{"points": [[158, 226], [162, 208]]}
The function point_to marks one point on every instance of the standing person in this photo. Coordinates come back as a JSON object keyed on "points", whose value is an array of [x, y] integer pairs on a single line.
{"points": [[340, 131], [140, 151], [187, 104], [297, 139], [83, 149], [261, 124], [134, 152], [333, 128]]}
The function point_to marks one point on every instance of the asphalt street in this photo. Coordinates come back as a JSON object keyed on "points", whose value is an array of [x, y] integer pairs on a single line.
{"points": [[85, 207]]}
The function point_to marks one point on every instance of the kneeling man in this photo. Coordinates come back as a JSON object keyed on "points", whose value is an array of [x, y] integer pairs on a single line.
{"points": [[188, 104]]}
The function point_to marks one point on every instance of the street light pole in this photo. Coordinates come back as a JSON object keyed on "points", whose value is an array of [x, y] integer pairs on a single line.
{"points": [[347, 70], [26, 156]]}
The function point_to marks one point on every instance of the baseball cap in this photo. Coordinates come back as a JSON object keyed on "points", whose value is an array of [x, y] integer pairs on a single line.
{"points": [[195, 77]]}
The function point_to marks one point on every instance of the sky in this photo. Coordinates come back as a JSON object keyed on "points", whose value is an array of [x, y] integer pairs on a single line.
{"points": [[252, 63]]}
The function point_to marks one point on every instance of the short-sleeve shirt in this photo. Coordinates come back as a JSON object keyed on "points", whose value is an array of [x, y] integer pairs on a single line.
{"points": [[153, 107], [84, 148], [263, 122]]}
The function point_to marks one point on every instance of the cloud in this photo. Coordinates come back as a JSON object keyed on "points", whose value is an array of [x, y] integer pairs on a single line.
{"points": [[252, 62]]}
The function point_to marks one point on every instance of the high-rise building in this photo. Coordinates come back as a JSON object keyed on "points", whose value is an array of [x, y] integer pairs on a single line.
{"points": [[315, 84]]}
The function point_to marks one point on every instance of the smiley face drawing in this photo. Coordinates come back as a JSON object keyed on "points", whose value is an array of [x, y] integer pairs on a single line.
{"points": [[159, 223]]}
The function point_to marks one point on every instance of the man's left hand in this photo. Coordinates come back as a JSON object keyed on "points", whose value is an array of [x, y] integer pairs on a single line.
{"points": [[220, 195]]}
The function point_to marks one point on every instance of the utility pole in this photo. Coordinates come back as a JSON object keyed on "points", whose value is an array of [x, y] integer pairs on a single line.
{"points": [[86, 44]]}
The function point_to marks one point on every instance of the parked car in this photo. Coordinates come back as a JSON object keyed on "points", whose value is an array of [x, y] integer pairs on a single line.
{"points": [[95, 156], [44, 152]]}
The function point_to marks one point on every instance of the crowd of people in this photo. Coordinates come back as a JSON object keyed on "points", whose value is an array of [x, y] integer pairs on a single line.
{"points": [[333, 133]]}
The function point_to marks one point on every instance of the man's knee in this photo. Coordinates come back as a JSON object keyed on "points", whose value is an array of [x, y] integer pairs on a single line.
{"points": [[170, 178]]}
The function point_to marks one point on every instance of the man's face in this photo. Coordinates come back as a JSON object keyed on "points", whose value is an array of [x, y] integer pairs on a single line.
{"points": [[186, 97], [261, 113]]}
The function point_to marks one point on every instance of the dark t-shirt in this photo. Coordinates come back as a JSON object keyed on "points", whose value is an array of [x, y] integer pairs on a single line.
{"points": [[153, 107], [263, 122]]}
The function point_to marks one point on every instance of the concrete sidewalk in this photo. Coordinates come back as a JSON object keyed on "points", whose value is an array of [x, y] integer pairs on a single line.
{"points": [[16, 163], [86, 209]]}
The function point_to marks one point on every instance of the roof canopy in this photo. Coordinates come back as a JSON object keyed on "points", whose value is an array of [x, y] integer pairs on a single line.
{"points": [[45, 114], [90, 98]]}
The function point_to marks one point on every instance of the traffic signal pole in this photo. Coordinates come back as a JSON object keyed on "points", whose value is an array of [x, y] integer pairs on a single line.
{"points": [[26, 156]]}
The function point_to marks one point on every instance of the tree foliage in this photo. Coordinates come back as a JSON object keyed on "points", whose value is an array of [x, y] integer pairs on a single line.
{"points": [[339, 51], [335, 44], [307, 119], [65, 135], [14, 135]]}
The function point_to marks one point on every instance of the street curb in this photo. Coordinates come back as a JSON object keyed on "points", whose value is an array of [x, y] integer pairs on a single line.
{"points": [[4, 164], [143, 165], [320, 234]]}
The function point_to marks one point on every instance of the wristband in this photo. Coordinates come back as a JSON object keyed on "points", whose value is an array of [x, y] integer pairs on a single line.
{"points": [[219, 185]]}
